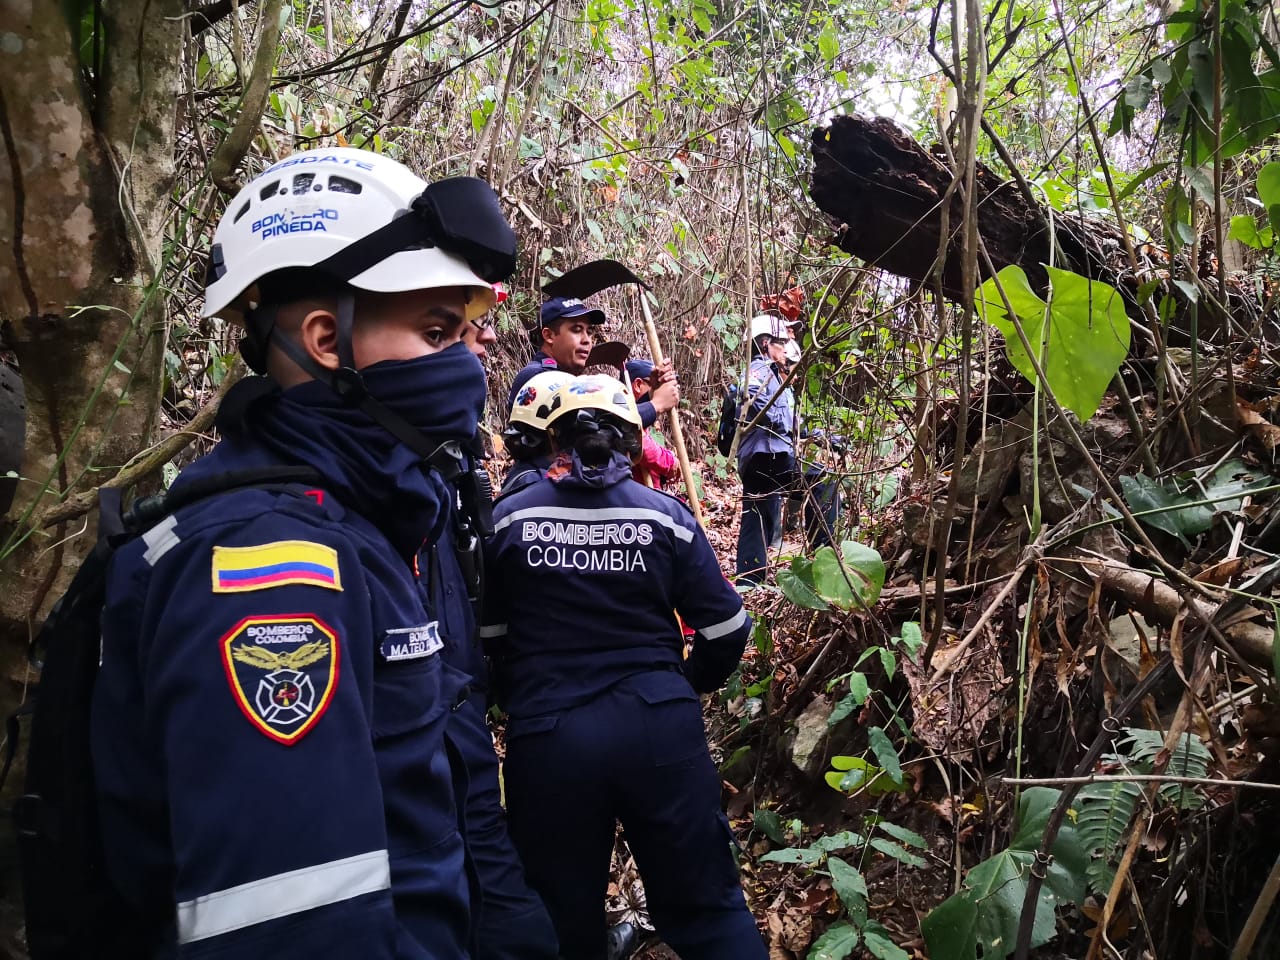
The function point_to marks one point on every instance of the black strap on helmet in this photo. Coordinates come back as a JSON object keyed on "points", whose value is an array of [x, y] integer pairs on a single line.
{"points": [[460, 215]]}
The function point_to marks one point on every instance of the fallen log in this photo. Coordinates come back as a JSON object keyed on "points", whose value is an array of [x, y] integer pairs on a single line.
{"points": [[1160, 603], [886, 194]]}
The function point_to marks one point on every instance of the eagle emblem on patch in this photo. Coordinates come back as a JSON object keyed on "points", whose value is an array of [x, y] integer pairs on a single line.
{"points": [[283, 670]]}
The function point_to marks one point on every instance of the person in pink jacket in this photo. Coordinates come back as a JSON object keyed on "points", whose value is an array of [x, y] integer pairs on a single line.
{"points": [[657, 466]]}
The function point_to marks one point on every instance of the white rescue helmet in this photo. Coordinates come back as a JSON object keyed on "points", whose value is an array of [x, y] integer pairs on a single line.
{"points": [[313, 204], [775, 327], [532, 404], [595, 391]]}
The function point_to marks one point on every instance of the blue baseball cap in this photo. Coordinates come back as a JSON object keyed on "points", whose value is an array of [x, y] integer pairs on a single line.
{"points": [[639, 369], [561, 308]]}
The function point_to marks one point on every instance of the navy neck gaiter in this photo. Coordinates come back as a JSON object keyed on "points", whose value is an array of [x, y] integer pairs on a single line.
{"points": [[364, 465]]}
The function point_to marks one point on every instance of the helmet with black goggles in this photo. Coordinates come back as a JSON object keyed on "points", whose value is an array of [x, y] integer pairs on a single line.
{"points": [[356, 221], [365, 220]]}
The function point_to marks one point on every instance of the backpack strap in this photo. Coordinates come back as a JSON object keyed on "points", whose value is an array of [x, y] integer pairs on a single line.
{"points": [[149, 511]]}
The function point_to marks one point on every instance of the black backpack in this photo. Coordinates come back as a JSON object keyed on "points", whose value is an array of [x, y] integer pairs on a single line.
{"points": [[730, 411], [72, 910]]}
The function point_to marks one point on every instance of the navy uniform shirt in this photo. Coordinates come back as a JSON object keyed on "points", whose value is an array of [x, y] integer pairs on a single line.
{"points": [[586, 578], [268, 732]]}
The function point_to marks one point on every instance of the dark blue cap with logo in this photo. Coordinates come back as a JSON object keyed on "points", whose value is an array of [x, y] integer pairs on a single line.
{"points": [[562, 308], [638, 369]]}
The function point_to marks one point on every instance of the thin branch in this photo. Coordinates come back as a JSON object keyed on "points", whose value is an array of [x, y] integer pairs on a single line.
{"points": [[1136, 778], [226, 159], [150, 461]]}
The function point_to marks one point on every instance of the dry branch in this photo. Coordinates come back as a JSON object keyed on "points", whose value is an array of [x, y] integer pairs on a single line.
{"points": [[1160, 603], [151, 461]]}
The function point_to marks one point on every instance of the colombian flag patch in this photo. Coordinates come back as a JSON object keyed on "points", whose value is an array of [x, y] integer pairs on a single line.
{"points": [[241, 569]]}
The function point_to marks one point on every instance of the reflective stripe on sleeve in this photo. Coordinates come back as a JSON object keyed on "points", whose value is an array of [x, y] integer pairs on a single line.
{"points": [[589, 515], [717, 630], [493, 630], [160, 539], [282, 895]]}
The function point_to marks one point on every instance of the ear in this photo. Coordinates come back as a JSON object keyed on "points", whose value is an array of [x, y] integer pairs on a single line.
{"points": [[548, 334], [318, 334]]}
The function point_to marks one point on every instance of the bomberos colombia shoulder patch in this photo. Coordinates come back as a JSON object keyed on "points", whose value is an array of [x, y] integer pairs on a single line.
{"points": [[283, 669]]}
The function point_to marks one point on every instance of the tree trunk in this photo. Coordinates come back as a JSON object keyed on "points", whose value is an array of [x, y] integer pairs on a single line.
{"points": [[85, 176], [886, 192]]}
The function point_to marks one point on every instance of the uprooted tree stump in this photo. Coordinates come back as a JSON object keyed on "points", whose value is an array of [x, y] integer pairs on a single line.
{"points": [[887, 194]]}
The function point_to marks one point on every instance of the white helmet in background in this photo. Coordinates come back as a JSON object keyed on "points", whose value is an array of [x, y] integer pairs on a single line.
{"points": [[775, 327], [308, 210]]}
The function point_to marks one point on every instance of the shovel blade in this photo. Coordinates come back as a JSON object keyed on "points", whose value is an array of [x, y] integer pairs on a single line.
{"points": [[590, 278], [611, 353]]}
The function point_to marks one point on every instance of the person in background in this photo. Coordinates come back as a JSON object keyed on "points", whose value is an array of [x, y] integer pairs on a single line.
{"points": [[657, 466], [526, 433], [767, 461], [605, 723], [766, 452], [510, 920], [562, 341]]}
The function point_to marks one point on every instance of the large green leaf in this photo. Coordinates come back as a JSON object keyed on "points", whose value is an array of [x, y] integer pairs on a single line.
{"points": [[1082, 332], [1143, 494], [866, 563], [796, 583], [987, 909], [850, 887], [1187, 507], [855, 578]]}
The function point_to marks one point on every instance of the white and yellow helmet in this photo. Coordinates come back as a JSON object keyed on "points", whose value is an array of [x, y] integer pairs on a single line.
{"points": [[596, 391], [532, 404]]}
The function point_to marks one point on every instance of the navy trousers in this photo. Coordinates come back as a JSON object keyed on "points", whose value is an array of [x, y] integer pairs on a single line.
{"points": [[510, 920], [766, 479], [636, 754]]}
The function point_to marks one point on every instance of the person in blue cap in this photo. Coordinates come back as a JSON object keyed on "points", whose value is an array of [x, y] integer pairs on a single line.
{"points": [[588, 571], [271, 730], [562, 341]]}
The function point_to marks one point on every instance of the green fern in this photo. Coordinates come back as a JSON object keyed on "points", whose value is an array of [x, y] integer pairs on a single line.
{"points": [[1104, 811]]}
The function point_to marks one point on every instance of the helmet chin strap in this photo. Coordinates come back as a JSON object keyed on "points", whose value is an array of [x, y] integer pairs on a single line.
{"points": [[446, 457]]}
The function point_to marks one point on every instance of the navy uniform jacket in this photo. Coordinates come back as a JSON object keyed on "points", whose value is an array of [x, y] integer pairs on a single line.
{"points": [[541, 363], [775, 431], [268, 732], [587, 579]]}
